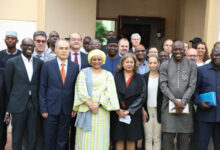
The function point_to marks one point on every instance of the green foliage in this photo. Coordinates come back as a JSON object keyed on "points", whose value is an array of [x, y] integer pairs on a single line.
{"points": [[100, 32]]}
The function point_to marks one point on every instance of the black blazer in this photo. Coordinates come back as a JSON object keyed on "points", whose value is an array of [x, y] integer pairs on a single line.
{"points": [[133, 96], [18, 84], [84, 60], [159, 97], [3, 100]]}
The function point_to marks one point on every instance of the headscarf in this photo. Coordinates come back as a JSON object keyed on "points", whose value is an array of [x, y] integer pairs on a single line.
{"points": [[96, 52]]}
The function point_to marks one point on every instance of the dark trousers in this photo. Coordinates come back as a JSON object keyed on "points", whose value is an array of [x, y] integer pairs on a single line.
{"points": [[182, 140], [205, 131], [3, 131], [56, 128], [71, 136], [40, 137], [28, 119]]}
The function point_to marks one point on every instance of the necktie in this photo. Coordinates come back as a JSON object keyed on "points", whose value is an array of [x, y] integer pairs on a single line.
{"points": [[62, 71], [76, 58]]}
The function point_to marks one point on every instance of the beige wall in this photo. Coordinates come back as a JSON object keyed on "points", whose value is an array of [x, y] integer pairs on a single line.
{"points": [[192, 19], [25, 10], [148, 8], [217, 31], [67, 16]]}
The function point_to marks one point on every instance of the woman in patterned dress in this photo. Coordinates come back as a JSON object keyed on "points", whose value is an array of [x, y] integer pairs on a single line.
{"points": [[95, 97]]}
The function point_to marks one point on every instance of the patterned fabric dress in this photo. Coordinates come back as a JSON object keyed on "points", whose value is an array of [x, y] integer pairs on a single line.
{"points": [[104, 91]]}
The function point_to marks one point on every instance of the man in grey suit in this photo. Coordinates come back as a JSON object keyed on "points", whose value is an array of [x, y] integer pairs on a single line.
{"points": [[22, 74], [178, 77]]}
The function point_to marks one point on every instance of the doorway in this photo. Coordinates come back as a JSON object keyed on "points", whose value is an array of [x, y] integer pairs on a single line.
{"points": [[151, 29]]}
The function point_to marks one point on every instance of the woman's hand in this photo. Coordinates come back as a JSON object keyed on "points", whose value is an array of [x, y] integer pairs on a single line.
{"points": [[121, 113], [144, 115], [93, 106]]}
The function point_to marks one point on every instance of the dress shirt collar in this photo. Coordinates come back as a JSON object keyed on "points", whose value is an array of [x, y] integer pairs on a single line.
{"points": [[25, 59], [72, 53], [11, 53], [37, 55], [60, 62]]}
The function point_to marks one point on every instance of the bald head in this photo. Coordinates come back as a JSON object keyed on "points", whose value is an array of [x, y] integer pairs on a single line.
{"points": [[191, 54]]}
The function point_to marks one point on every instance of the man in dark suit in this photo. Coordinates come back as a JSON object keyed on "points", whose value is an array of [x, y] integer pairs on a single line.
{"points": [[3, 102], [56, 96], [82, 60], [76, 56], [208, 117], [22, 75]]}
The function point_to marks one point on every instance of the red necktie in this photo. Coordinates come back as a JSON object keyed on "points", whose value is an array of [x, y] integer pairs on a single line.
{"points": [[76, 58], [63, 74]]}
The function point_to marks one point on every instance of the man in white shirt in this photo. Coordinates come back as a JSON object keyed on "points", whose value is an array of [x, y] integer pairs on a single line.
{"points": [[22, 74]]}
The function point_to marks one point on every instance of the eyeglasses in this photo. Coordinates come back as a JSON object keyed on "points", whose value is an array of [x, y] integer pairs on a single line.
{"points": [[40, 41], [96, 43], [138, 51]]}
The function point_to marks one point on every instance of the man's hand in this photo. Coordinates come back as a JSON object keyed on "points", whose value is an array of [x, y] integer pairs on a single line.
{"points": [[179, 110], [7, 117], [205, 105], [45, 115], [73, 113], [178, 104]]}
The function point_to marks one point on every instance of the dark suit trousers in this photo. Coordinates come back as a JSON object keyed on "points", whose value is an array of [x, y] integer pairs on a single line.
{"points": [[205, 131], [56, 128], [3, 131], [40, 137], [28, 119], [182, 139]]}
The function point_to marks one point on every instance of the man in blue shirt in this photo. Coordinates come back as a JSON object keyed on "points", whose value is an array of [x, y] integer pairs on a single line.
{"points": [[112, 59], [208, 117], [140, 53]]}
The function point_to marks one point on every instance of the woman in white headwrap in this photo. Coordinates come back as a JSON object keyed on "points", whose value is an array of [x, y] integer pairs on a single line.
{"points": [[95, 97]]}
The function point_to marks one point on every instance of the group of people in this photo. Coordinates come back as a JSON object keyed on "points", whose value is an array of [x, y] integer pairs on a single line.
{"points": [[79, 94]]}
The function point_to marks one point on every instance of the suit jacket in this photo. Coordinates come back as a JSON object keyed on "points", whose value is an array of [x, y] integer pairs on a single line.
{"points": [[1, 63], [3, 100], [159, 97], [84, 60], [18, 84], [130, 98], [54, 97]]}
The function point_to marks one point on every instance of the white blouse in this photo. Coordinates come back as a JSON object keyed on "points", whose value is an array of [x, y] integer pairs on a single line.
{"points": [[152, 92]]}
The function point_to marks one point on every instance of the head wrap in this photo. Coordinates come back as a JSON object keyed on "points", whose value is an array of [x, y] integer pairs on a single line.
{"points": [[112, 40], [96, 52], [13, 33]]}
